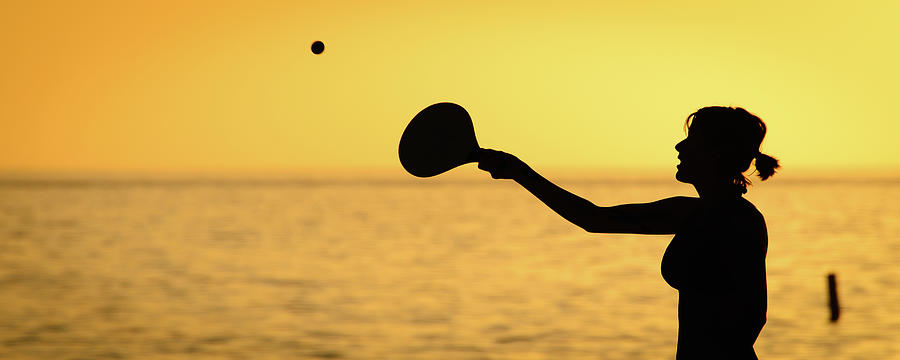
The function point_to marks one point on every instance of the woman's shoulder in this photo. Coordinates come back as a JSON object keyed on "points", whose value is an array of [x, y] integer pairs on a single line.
{"points": [[749, 212], [750, 221], [739, 215]]}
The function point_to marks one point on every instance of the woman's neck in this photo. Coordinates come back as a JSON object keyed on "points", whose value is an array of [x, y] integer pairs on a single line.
{"points": [[717, 191]]}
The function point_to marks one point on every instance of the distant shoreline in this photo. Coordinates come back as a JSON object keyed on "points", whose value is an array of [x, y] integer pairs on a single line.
{"points": [[467, 175]]}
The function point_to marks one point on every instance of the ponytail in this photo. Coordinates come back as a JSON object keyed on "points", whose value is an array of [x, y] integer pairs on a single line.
{"points": [[766, 165]]}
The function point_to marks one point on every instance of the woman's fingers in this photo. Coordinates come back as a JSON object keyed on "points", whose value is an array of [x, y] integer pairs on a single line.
{"points": [[490, 160], [497, 163]]}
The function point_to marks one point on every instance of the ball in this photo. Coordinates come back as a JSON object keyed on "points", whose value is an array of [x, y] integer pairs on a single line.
{"points": [[318, 47]]}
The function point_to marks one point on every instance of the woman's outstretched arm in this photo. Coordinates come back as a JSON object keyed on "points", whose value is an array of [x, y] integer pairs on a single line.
{"points": [[659, 217]]}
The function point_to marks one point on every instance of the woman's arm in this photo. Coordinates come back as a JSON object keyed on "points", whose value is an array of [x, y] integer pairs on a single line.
{"points": [[658, 217]]}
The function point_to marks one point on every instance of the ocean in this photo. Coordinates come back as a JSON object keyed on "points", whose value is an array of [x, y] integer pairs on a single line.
{"points": [[295, 268]]}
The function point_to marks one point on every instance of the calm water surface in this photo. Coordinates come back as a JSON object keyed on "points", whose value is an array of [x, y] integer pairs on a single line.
{"points": [[410, 270]]}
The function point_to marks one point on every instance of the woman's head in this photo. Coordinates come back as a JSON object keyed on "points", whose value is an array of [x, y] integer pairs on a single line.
{"points": [[721, 144]]}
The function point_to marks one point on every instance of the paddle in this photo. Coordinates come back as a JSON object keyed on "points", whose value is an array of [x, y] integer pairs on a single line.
{"points": [[439, 138]]}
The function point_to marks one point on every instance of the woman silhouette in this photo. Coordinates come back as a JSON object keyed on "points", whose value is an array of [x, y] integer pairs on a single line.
{"points": [[716, 260]]}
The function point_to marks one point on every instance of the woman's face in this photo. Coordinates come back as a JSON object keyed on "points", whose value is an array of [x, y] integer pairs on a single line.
{"points": [[698, 162]]}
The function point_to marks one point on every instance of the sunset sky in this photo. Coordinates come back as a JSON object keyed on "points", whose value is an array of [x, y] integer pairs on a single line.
{"points": [[161, 86]]}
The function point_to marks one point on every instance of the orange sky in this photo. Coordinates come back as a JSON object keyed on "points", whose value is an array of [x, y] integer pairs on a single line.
{"points": [[216, 85]]}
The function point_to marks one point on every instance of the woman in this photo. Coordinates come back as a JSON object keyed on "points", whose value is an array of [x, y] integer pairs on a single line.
{"points": [[716, 260]]}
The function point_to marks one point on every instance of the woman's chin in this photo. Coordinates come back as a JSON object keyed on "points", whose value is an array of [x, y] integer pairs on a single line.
{"points": [[680, 176]]}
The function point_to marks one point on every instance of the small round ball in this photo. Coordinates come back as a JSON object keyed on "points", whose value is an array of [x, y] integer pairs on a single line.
{"points": [[318, 47]]}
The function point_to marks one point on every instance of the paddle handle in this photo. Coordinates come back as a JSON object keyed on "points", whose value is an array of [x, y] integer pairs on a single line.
{"points": [[475, 155]]}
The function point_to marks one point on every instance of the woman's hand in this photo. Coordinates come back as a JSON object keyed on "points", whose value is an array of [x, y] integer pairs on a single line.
{"points": [[501, 165]]}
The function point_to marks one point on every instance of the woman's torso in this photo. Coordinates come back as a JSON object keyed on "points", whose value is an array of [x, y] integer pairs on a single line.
{"points": [[717, 263]]}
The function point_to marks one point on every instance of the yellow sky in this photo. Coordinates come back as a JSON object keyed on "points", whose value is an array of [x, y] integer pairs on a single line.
{"points": [[217, 85]]}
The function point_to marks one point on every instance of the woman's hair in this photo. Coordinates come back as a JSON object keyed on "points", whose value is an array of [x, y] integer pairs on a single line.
{"points": [[735, 134]]}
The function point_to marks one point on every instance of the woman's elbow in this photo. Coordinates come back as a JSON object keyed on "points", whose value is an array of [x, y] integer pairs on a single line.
{"points": [[593, 222], [592, 226], [607, 226]]}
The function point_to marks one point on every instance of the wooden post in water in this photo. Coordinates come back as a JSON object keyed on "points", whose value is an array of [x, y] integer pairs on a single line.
{"points": [[833, 298]]}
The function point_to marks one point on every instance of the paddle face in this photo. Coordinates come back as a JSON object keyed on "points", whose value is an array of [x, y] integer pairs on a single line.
{"points": [[439, 138]]}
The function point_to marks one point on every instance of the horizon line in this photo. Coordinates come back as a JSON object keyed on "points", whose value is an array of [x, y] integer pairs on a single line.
{"points": [[466, 174]]}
